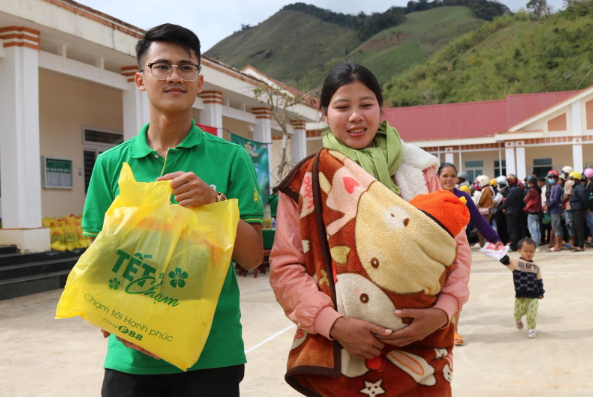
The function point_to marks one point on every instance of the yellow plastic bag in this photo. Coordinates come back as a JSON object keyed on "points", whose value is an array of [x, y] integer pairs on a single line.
{"points": [[57, 233], [70, 233], [154, 274]]}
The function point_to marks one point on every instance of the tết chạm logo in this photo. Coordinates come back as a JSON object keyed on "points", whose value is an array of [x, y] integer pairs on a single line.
{"points": [[142, 277]]}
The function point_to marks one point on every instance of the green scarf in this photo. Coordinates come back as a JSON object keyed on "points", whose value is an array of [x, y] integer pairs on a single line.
{"points": [[380, 160]]}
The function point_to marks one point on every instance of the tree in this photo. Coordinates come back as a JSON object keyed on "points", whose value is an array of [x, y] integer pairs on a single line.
{"points": [[281, 102], [539, 8]]}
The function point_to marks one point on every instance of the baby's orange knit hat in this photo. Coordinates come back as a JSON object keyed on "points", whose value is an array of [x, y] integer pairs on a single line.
{"points": [[445, 208]]}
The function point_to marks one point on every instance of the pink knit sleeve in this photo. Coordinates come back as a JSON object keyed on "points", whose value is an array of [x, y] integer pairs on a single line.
{"points": [[455, 292], [296, 291], [432, 180]]}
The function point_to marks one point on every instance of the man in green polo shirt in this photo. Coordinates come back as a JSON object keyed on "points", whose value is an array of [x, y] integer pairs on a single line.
{"points": [[202, 169]]}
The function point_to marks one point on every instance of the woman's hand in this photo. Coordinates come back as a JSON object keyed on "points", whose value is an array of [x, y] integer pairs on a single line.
{"points": [[359, 337], [499, 245], [424, 322]]}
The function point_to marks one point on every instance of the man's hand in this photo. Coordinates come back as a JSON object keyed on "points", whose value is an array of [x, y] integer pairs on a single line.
{"points": [[358, 337], [424, 322], [130, 345], [189, 189], [499, 245]]}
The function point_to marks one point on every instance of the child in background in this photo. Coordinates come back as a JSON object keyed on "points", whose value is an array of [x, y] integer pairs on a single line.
{"points": [[529, 286]]}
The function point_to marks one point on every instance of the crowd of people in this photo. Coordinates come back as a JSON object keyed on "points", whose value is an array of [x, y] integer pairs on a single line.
{"points": [[556, 209]]}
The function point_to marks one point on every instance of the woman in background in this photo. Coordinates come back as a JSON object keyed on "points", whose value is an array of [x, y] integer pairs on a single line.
{"points": [[447, 174]]}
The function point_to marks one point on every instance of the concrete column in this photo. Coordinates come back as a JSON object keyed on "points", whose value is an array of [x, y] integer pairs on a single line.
{"points": [[212, 113], [520, 165], [509, 153], [262, 132], [20, 161], [298, 141], [577, 130], [577, 154], [135, 102], [449, 158]]}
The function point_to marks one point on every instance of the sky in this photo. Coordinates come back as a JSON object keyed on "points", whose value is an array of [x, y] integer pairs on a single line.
{"points": [[213, 20]]}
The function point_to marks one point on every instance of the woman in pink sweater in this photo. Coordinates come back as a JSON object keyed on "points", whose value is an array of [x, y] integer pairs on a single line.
{"points": [[351, 103]]}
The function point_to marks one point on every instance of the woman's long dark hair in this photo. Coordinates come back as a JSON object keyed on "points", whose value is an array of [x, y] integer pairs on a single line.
{"points": [[446, 165], [345, 73]]}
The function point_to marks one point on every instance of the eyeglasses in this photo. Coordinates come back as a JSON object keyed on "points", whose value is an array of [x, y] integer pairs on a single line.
{"points": [[162, 70]]}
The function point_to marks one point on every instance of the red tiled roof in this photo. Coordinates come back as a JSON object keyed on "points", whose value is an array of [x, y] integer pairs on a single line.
{"points": [[524, 106], [470, 119]]}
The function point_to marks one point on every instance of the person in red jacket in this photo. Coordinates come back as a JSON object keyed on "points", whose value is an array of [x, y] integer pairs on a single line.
{"points": [[533, 207]]}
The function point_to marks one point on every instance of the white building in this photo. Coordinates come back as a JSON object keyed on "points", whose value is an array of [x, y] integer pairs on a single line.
{"points": [[67, 94]]}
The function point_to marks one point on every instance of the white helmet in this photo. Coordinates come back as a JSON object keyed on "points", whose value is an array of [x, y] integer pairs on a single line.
{"points": [[501, 180], [483, 180], [567, 169]]}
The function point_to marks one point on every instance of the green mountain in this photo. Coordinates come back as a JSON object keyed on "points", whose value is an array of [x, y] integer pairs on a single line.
{"points": [[299, 48], [395, 50], [510, 55]]}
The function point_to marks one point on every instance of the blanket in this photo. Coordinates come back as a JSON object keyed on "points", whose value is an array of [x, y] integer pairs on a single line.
{"points": [[372, 253]]}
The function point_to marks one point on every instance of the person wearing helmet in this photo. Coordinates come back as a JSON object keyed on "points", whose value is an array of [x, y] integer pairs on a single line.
{"points": [[566, 170], [589, 214], [554, 207], [533, 208], [545, 228], [501, 180], [483, 197], [568, 214], [579, 203], [447, 174], [462, 179], [499, 221], [512, 207]]}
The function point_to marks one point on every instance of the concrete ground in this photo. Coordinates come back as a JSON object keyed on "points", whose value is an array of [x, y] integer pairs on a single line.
{"points": [[43, 357]]}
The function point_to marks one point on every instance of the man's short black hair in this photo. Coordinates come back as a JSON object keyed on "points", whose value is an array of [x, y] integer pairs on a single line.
{"points": [[525, 241], [168, 33], [541, 179]]}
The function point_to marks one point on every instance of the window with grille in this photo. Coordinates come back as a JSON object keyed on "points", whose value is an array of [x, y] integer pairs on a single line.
{"points": [[542, 166], [473, 169], [500, 168], [95, 142]]}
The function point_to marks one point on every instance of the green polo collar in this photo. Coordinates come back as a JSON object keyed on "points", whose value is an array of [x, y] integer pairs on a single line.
{"points": [[141, 149]]}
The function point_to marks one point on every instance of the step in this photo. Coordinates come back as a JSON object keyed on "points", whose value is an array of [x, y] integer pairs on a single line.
{"points": [[17, 259], [36, 268], [8, 249], [32, 284]]}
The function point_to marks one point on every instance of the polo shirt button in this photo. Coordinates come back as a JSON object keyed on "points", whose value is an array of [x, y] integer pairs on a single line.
{"points": [[156, 156]]}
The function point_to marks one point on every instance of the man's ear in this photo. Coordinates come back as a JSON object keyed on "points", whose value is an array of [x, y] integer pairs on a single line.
{"points": [[139, 80], [200, 83]]}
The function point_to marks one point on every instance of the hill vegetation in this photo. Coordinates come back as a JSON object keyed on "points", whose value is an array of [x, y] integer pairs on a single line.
{"points": [[510, 55], [301, 43], [395, 50]]}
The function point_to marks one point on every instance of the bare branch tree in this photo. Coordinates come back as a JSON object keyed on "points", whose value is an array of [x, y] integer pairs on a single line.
{"points": [[282, 103]]}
